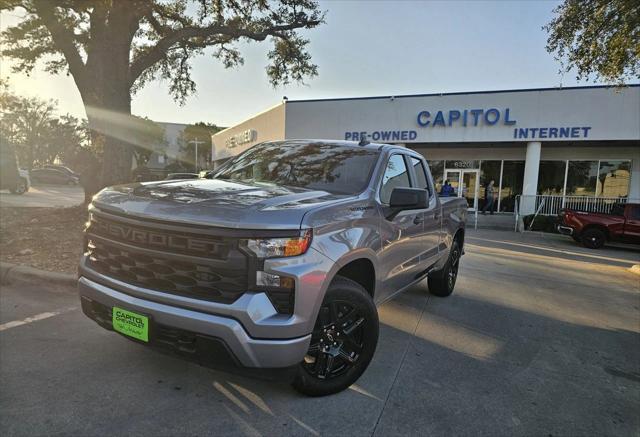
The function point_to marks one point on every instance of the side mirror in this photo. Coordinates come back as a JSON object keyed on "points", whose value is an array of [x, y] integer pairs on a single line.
{"points": [[403, 199]]}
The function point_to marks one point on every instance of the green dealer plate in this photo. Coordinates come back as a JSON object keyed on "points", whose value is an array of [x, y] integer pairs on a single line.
{"points": [[131, 324]]}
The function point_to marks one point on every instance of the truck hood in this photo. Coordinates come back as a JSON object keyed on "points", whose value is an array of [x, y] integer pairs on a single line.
{"points": [[214, 202]]}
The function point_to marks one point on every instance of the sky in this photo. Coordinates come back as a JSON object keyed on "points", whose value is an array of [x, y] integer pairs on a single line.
{"points": [[366, 48]]}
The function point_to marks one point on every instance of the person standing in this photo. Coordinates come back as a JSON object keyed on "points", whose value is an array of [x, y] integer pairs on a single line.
{"points": [[488, 197], [446, 190]]}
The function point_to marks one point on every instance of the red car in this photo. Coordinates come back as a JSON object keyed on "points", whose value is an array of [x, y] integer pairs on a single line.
{"points": [[594, 229]]}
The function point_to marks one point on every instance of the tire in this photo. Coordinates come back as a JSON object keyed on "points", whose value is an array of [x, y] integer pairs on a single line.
{"points": [[577, 238], [593, 238], [442, 282], [343, 341], [20, 188]]}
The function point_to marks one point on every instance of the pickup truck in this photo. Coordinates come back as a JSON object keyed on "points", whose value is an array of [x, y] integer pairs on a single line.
{"points": [[595, 229], [274, 261]]}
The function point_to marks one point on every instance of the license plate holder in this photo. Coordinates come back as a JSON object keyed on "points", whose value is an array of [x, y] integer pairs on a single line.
{"points": [[131, 324]]}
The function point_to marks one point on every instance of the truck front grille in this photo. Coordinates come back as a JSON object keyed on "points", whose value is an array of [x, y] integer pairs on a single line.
{"points": [[175, 259], [198, 280]]}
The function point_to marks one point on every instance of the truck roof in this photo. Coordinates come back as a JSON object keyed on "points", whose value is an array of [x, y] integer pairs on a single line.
{"points": [[343, 143]]}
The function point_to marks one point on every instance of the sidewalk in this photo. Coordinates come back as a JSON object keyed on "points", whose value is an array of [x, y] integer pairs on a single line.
{"points": [[44, 196], [556, 245]]}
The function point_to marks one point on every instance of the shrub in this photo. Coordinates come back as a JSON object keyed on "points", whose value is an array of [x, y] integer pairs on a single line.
{"points": [[544, 223]]}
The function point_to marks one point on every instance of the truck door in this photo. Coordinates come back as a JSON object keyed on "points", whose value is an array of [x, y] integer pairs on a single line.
{"points": [[632, 223], [431, 225], [401, 235]]}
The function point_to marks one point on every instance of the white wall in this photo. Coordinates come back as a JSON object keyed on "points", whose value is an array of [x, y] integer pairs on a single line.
{"points": [[268, 125], [611, 114], [518, 153]]}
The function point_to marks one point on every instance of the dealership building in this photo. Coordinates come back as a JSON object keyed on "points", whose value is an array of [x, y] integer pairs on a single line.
{"points": [[558, 142]]}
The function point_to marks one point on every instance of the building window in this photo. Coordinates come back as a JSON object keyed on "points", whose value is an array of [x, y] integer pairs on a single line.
{"points": [[512, 180], [551, 177], [489, 170], [581, 178], [437, 171], [613, 179]]}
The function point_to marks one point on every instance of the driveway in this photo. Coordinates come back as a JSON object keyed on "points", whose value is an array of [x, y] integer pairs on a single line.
{"points": [[541, 337], [44, 196]]}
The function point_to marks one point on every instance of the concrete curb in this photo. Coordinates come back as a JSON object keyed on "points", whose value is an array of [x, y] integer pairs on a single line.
{"points": [[635, 269], [11, 273]]}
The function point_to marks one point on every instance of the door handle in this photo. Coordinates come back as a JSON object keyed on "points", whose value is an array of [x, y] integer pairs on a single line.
{"points": [[417, 220]]}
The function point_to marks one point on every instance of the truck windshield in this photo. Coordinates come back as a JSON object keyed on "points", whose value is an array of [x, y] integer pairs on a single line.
{"points": [[315, 166]]}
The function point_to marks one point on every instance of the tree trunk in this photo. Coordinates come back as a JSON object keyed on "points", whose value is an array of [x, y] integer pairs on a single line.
{"points": [[108, 106]]}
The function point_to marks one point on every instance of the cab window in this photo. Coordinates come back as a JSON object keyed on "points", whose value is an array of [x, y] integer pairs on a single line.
{"points": [[421, 174], [395, 175]]}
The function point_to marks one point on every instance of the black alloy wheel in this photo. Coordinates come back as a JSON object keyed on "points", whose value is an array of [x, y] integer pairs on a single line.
{"points": [[443, 281], [454, 264], [336, 342], [343, 340]]}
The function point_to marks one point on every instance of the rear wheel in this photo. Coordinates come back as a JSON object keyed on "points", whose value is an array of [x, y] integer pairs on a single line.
{"points": [[442, 282], [343, 341], [594, 238]]}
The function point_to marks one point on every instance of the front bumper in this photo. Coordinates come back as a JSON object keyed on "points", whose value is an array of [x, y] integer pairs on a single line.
{"points": [[209, 332]]}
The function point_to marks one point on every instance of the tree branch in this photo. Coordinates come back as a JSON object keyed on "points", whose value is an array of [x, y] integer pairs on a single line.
{"points": [[63, 39], [158, 52]]}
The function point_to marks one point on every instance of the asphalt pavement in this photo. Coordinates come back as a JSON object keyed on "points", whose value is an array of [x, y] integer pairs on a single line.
{"points": [[44, 196], [541, 337]]}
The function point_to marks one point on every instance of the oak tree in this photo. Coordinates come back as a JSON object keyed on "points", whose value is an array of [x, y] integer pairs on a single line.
{"points": [[599, 38], [112, 48]]}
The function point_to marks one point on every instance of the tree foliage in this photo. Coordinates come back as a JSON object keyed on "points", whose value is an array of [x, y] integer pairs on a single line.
{"points": [[200, 132], [599, 38], [114, 47], [28, 123]]}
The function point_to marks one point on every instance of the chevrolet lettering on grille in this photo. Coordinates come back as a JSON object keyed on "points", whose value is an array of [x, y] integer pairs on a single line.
{"points": [[152, 239]]}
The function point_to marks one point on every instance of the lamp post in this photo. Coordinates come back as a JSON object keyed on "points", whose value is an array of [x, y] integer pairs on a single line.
{"points": [[196, 141]]}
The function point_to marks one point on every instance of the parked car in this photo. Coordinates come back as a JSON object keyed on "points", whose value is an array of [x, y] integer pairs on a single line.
{"points": [[53, 176], [12, 178], [63, 169], [182, 176], [275, 262], [595, 229]]}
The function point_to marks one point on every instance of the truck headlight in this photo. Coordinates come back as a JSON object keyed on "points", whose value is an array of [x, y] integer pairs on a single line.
{"points": [[280, 247]]}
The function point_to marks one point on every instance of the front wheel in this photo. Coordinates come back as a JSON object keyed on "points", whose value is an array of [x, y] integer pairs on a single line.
{"points": [[20, 188], [593, 238], [343, 341], [442, 282]]}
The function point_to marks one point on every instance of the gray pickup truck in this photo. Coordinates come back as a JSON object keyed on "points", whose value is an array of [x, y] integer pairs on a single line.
{"points": [[277, 260]]}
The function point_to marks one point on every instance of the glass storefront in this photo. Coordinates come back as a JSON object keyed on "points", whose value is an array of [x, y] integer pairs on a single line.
{"points": [[437, 171], [585, 178], [551, 177], [512, 180], [613, 179], [581, 178], [489, 171], [572, 178]]}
